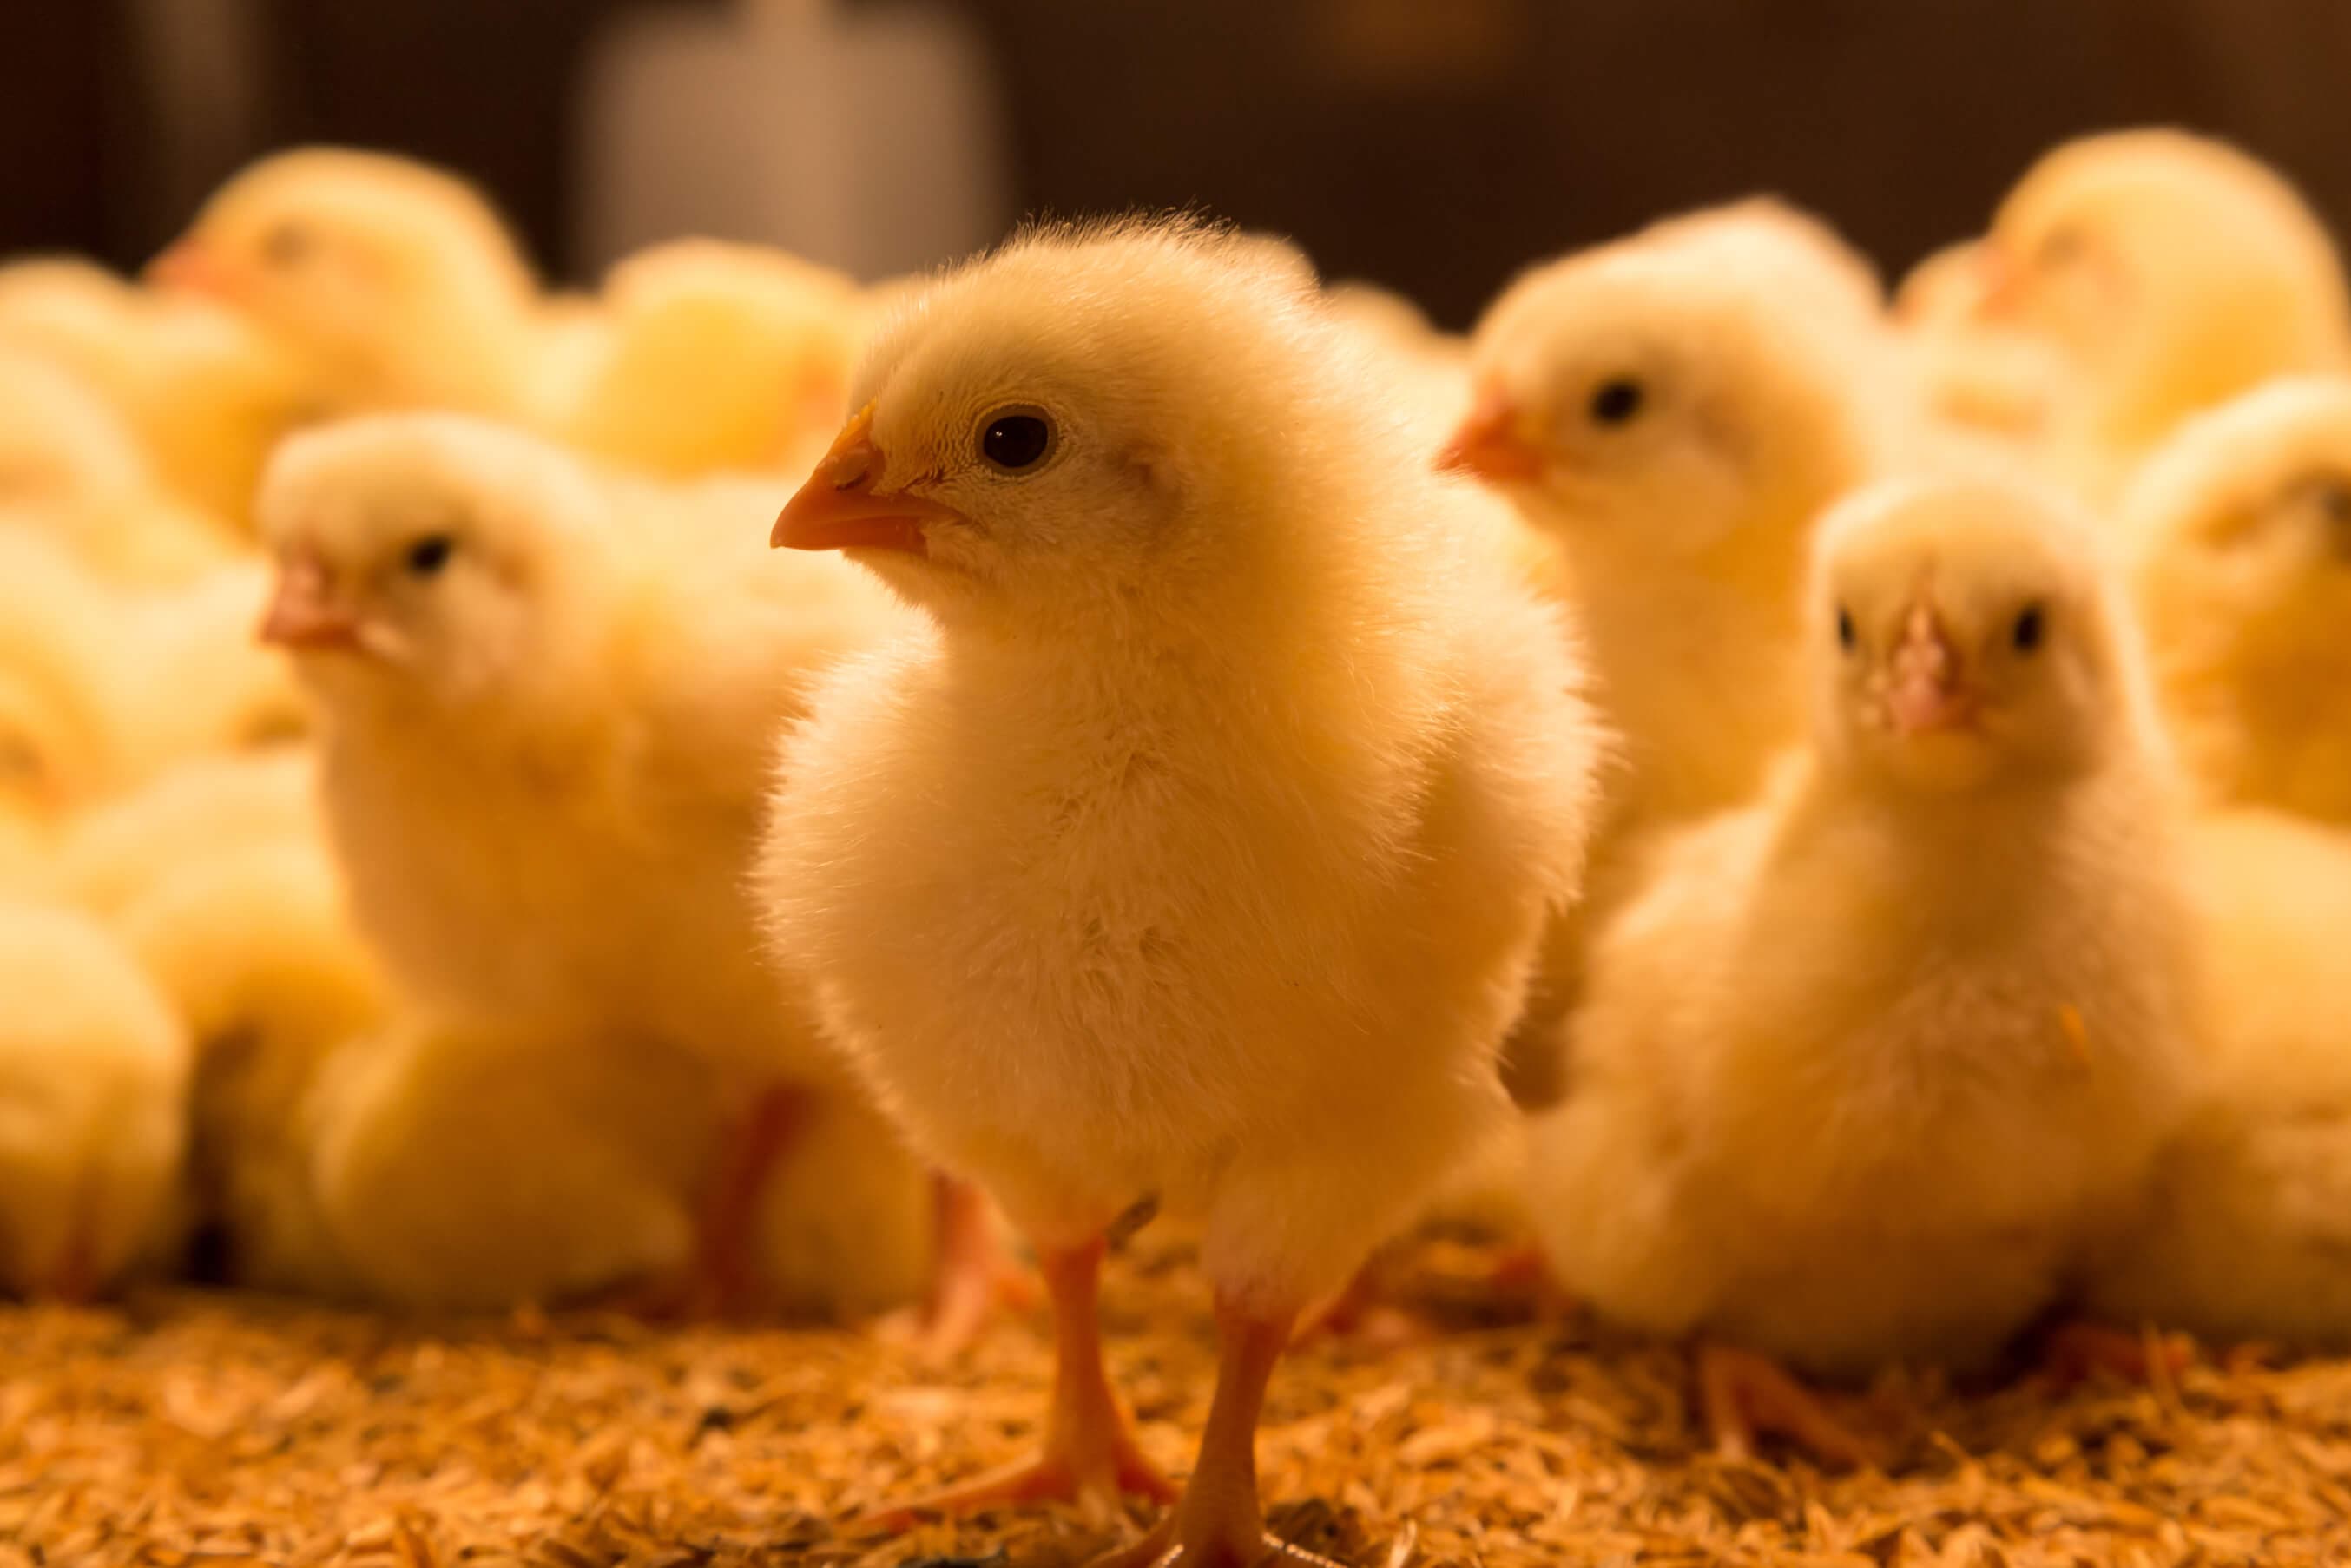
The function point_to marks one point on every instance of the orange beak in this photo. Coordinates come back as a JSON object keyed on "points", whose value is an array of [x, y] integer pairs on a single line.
{"points": [[1928, 691], [306, 615], [839, 507], [1488, 446], [190, 267]]}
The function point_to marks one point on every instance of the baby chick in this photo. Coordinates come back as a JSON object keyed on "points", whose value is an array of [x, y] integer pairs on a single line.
{"points": [[1887, 1142], [548, 701], [59, 437], [386, 282], [60, 733], [720, 356], [1196, 853], [1672, 412], [2166, 272], [93, 1088], [1978, 374], [2245, 1227], [2241, 530], [111, 854]]}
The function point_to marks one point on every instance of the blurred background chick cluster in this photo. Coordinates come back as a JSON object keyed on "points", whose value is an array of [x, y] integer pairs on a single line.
{"points": [[435, 990]]}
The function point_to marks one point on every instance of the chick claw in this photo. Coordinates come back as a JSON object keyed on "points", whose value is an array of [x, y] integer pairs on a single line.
{"points": [[1096, 1485], [1160, 1549], [2075, 1351], [1745, 1395]]}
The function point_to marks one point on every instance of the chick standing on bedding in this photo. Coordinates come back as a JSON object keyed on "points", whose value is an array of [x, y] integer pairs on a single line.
{"points": [[1672, 412], [2166, 272], [1198, 851], [1864, 1064], [93, 1089], [550, 698], [2240, 530]]}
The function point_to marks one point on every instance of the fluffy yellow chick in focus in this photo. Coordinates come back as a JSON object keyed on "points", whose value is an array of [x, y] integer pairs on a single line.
{"points": [[93, 1105], [1671, 412], [2240, 530], [2245, 1230], [1887, 1139], [548, 696], [253, 945], [2166, 272], [720, 356], [387, 282], [205, 394], [1196, 853]]}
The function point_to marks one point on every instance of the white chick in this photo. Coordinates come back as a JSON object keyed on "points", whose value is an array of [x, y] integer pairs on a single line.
{"points": [[2240, 531], [2246, 1230], [720, 356], [1672, 412], [1863, 1064], [93, 1089], [1198, 851], [254, 947], [547, 702], [2166, 272], [388, 283]]}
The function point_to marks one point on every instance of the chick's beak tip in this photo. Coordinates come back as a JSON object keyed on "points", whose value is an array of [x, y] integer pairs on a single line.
{"points": [[304, 613], [839, 507], [1927, 690], [1488, 445], [190, 267]]}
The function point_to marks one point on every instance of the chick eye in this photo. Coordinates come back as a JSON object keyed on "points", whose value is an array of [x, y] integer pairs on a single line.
{"points": [[1846, 636], [287, 245], [430, 554], [2031, 625], [1016, 439], [1617, 401]]}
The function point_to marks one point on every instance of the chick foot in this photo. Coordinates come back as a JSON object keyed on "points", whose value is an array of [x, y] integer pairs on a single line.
{"points": [[720, 1280], [2075, 1351], [1091, 1455], [974, 1277], [1218, 1523], [1745, 1395]]}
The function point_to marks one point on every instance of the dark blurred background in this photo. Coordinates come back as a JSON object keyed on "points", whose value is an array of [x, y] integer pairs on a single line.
{"points": [[1433, 145]]}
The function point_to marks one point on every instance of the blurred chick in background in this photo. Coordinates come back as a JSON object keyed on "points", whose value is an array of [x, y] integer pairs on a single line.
{"points": [[2166, 272], [1197, 853], [1863, 1065], [93, 1105], [2241, 530], [2244, 1230], [1670, 413], [548, 698], [1975, 373]]}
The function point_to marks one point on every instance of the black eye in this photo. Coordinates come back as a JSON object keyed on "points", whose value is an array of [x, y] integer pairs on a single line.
{"points": [[1847, 637], [2030, 628], [1015, 440], [287, 245], [1616, 401], [430, 554]]}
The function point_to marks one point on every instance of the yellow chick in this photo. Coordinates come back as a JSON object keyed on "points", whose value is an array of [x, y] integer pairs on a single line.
{"points": [[1862, 1064], [93, 1105], [720, 356], [386, 283], [111, 853], [1672, 412], [251, 945], [191, 677], [548, 698], [58, 436], [1196, 853], [60, 741], [2166, 272], [1975, 374], [2240, 533], [2246, 1230], [205, 394]]}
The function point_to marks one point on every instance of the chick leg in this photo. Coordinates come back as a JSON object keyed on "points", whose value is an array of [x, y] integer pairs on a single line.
{"points": [[972, 1275], [1091, 1455], [1218, 1524], [723, 1276], [1745, 1395], [2075, 1351]]}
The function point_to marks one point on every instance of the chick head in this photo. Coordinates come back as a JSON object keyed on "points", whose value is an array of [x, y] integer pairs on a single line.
{"points": [[425, 556], [2240, 529], [2170, 270], [1087, 417], [1962, 633], [354, 261], [1649, 402]]}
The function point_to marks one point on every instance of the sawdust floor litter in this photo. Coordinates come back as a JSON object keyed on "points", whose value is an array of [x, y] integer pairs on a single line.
{"points": [[186, 1429]]}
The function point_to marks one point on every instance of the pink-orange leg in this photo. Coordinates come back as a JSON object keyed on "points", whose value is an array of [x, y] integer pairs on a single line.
{"points": [[1218, 1523], [972, 1276], [1745, 1395], [1090, 1455], [720, 1279], [2074, 1351]]}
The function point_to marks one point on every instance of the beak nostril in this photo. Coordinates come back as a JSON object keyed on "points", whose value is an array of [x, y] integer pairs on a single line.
{"points": [[852, 470]]}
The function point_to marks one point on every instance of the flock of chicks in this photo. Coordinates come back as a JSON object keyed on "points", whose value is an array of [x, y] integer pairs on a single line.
{"points": [[1871, 782]]}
